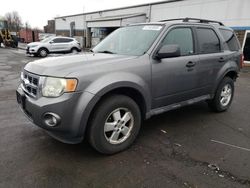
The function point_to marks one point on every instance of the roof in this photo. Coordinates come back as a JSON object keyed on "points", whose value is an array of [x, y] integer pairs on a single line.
{"points": [[121, 8]]}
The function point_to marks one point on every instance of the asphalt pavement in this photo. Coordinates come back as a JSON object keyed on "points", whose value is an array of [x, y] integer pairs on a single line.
{"points": [[189, 147]]}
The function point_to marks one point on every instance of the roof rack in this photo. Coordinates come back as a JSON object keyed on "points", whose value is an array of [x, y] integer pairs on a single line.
{"points": [[194, 19]]}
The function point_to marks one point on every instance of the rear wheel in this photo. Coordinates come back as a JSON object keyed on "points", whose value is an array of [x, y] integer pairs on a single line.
{"points": [[223, 96], [43, 52], [115, 124], [74, 50]]}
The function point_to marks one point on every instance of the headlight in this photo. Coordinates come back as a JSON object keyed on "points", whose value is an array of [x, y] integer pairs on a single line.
{"points": [[55, 87]]}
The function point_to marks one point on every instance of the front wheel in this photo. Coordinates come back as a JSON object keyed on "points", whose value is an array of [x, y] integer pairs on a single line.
{"points": [[223, 96], [115, 124], [43, 52]]}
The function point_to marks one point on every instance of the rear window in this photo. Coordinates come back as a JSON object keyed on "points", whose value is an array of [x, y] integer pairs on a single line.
{"points": [[208, 41], [230, 39]]}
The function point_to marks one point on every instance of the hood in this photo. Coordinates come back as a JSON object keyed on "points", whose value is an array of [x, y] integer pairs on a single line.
{"points": [[65, 65], [34, 43]]}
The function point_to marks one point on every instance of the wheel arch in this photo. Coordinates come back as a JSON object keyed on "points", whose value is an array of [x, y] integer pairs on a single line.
{"points": [[42, 47], [231, 73], [74, 48], [133, 92]]}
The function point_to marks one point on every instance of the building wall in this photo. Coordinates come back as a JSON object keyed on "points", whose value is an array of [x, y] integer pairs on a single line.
{"points": [[233, 13], [240, 34], [28, 35], [63, 23], [50, 27], [110, 13], [230, 12]]}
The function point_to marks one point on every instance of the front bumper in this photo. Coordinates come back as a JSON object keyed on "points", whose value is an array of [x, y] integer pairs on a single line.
{"points": [[66, 106], [31, 50]]}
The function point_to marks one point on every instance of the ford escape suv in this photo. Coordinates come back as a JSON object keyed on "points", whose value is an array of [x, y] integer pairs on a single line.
{"points": [[136, 72]]}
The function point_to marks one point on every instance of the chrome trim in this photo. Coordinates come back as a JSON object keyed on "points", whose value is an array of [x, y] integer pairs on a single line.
{"points": [[28, 81]]}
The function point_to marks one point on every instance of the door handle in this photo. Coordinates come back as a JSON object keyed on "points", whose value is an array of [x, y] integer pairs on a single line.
{"points": [[190, 64], [222, 59]]}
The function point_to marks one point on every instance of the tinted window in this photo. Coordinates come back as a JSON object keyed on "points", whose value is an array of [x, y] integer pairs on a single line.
{"points": [[58, 40], [62, 40], [67, 40], [208, 41], [182, 37], [230, 39]]}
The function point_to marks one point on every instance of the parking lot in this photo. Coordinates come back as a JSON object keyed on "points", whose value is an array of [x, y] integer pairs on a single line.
{"points": [[189, 147]]}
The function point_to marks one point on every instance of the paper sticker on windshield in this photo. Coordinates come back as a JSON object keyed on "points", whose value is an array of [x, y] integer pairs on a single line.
{"points": [[152, 27]]}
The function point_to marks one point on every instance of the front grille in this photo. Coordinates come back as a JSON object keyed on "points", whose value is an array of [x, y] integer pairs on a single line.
{"points": [[30, 84]]}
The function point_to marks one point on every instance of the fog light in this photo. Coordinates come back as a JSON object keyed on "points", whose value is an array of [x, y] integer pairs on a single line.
{"points": [[51, 119]]}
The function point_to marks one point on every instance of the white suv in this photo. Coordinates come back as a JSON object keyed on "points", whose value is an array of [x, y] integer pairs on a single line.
{"points": [[53, 45]]}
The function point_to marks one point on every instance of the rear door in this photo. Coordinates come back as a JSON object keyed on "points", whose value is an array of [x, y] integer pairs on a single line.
{"points": [[67, 44], [57, 45], [211, 58], [173, 80]]}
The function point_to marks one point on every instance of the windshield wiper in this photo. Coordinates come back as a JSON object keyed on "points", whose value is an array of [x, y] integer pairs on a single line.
{"points": [[106, 52]]}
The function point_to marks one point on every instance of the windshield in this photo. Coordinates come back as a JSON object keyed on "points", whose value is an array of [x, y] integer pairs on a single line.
{"points": [[46, 39], [132, 40]]}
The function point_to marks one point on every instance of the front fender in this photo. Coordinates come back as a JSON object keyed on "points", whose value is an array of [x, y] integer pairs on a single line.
{"points": [[107, 83], [116, 80]]}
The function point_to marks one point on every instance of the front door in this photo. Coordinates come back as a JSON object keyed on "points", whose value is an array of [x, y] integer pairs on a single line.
{"points": [[57, 45], [175, 79]]}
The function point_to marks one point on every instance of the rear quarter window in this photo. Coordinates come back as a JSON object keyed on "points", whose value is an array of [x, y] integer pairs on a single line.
{"points": [[230, 39]]}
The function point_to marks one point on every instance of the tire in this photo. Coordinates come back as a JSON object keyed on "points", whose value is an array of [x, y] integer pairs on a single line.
{"points": [[114, 125], [43, 52], [223, 96], [74, 50]]}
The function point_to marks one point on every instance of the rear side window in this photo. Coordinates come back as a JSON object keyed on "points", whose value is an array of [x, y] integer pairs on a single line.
{"points": [[182, 37], [208, 41], [58, 40], [230, 39], [67, 40], [62, 40]]}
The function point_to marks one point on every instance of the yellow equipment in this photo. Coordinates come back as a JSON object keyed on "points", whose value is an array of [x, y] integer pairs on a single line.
{"points": [[5, 35]]}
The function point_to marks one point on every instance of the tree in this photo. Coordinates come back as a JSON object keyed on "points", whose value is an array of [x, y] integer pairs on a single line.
{"points": [[17, 22], [27, 25], [14, 21]]}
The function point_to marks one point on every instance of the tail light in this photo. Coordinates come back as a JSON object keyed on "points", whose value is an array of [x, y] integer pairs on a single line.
{"points": [[241, 60]]}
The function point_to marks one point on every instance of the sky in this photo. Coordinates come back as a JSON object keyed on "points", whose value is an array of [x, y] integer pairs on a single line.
{"points": [[36, 13]]}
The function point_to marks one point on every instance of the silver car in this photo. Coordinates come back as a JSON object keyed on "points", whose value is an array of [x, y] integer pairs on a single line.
{"points": [[53, 45]]}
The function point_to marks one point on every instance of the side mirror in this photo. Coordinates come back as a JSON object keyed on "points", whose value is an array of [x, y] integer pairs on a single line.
{"points": [[168, 51], [51, 42]]}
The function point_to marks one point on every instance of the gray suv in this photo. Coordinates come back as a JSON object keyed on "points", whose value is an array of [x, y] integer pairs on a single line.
{"points": [[136, 72]]}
